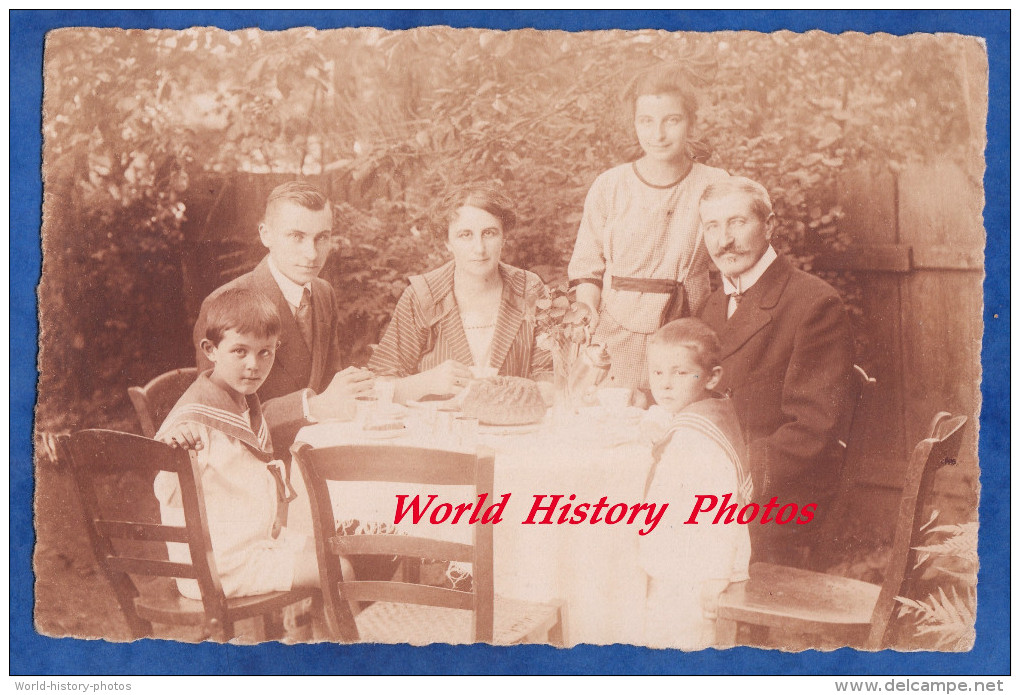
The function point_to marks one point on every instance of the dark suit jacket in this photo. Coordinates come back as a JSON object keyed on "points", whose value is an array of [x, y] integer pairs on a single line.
{"points": [[296, 367], [788, 361]]}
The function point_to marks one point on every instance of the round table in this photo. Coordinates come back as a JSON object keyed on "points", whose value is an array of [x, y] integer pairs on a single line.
{"points": [[591, 569]]}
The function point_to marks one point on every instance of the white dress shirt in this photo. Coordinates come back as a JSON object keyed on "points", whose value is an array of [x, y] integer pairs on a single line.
{"points": [[745, 281], [291, 290]]}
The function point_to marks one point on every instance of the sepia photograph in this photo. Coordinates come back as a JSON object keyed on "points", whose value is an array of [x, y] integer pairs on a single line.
{"points": [[661, 338]]}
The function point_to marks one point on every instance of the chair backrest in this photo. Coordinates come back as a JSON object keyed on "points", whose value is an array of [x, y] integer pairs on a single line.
{"points": [[99, 459], [427, 467], [154, 401], [937, 450], [863, 391]]}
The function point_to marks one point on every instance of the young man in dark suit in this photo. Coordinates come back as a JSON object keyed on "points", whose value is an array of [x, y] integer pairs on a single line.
{"points": [[306, 383], [787, 362]]}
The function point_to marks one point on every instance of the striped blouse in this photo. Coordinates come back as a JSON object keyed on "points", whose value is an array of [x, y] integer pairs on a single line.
{"points": [[425, 331]]}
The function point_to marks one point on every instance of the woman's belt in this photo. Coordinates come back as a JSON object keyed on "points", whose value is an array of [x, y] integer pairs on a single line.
{"points": [[677, 306]]}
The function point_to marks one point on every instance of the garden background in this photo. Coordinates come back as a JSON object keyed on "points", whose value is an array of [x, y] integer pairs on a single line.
{"points": [[161, 146]]}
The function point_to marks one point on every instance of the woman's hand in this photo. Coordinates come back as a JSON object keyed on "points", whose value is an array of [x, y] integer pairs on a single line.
{"points": [[590, 294], [448, 379]]}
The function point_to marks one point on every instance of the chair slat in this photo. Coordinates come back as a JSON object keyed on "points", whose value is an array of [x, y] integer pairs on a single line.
{"points": [[155, 568], [395, 464], [108, 452], [139, 531], [415, 546], [401, 592]]}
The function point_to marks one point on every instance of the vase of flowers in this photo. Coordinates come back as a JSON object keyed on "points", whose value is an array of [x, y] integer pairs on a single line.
{"points": [[563, 327]]}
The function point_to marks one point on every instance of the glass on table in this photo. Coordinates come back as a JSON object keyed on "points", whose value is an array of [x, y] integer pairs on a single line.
{"points": [[465, 433], [384, 389], [366, 407], [444, 422]]}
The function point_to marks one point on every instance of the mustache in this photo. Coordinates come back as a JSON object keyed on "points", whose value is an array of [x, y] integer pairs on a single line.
{"points": [[730, 248]]}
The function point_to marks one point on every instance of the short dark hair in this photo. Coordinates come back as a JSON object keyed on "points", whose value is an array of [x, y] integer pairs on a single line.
{"points": [[663, 79], [246, 311], [299, 192], [761, 203], [489, 197], [694, 334]]}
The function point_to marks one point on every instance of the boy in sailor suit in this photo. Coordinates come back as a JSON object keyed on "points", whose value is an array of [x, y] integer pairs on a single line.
{"points": [[246, 491], [701, 453]]}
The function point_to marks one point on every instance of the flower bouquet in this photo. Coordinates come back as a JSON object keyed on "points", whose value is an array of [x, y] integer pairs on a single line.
{"points": [[563, 327]]}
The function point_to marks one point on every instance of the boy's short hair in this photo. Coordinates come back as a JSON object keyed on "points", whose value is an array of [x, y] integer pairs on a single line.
{"points": [[302, 193], [246, 311], [694, 334], [761, 203]]}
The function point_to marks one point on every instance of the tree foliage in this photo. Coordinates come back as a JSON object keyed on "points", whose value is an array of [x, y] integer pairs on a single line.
{"points": [[390, 119]]}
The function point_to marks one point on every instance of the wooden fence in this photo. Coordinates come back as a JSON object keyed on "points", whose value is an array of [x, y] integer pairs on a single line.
{"points": [[918, 256]]}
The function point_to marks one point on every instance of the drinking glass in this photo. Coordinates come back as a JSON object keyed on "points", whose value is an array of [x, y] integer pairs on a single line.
{"points": [[465, 432]]}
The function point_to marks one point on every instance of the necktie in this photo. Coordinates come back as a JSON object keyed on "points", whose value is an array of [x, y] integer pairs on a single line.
{"points": [[732, 306], [303, 316]]}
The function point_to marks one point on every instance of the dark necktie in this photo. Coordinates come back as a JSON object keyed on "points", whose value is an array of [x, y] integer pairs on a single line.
{"points": [[303, 316]]}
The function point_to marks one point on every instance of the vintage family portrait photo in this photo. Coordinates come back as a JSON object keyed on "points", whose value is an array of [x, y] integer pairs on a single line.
{"points": [[668, 339]]}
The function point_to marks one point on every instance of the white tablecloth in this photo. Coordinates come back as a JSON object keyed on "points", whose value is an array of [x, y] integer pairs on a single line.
{"points": [[592, 569]]}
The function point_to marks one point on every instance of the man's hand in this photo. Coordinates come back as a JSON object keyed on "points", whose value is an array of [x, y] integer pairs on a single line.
{"points": [[337, 400], [186, 435]]}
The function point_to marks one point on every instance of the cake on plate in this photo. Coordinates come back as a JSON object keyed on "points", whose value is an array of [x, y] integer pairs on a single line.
{"points": [[503, 400]]}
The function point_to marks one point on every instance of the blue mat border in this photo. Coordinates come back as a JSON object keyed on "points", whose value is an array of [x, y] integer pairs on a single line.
{"points": [[31, 653]]}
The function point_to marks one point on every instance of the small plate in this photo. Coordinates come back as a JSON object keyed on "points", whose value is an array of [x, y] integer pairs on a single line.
{"points": [[509, 429], [384, 434], [430, 405]]}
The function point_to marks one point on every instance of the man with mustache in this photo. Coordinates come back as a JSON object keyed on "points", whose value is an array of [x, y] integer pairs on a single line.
{"points": [[787, 362]]}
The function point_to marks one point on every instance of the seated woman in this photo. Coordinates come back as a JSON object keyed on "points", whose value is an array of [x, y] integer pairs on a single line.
{"points": [[467, 315]]}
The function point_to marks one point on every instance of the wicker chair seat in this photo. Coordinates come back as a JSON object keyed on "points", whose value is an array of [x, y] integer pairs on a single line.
{"points": [[404, 623]]}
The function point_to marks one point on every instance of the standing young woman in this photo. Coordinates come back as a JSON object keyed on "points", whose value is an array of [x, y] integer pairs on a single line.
{"points": [[469, 312], [639, 258]]}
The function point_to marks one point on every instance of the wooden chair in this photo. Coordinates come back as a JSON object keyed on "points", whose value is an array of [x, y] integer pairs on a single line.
{"points": [[835, 610], [154, 401], [403, 611], [131, 547]]}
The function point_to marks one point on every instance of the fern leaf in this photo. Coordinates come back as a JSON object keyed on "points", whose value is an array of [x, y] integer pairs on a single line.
{"points": [[908, 602], [961, 542], [931, 520], [966, 577]]}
